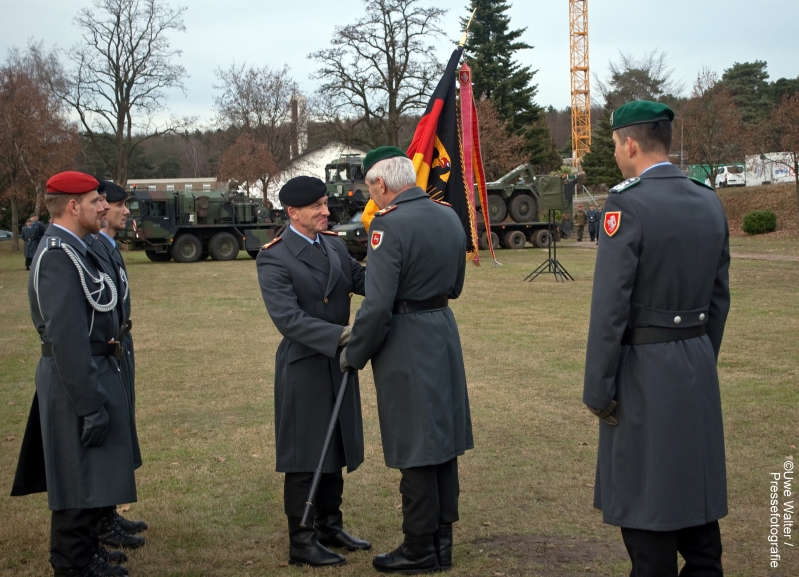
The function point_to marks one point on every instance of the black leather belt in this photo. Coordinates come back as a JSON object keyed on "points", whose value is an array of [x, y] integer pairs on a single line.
{"points": [[431, 304], [649, 335], [98, 350]]}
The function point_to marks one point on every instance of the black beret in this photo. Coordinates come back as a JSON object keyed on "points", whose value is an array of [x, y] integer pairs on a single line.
{"points": [[302, 191], [113, 192]]}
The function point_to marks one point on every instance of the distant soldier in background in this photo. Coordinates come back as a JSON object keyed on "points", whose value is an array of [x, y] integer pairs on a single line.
{"points": [[30, 236], [660, 302], [580, 222], [77, 444], [593, 215]]}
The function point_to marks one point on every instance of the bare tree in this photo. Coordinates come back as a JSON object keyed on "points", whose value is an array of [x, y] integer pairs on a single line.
{"points": [[638, 78], [36, 139], [785, 129], [713, 133], [379, 69], [119, 75], [248, 160], [259, 102], [502, 152]]}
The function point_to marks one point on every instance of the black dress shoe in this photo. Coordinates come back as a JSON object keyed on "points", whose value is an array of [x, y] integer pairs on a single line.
{"points": [[98, 567], [112, 535], [443, 541], [116, 557], [305, 549], [416, 555], [331, 533], [128, 525]]}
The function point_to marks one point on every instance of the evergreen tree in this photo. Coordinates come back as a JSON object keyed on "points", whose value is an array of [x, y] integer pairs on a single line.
{"points": [[747, 84], [600, 164], [490, 51]]}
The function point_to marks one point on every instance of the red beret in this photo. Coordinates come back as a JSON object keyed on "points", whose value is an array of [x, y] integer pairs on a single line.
{"points": [[71, 182]]}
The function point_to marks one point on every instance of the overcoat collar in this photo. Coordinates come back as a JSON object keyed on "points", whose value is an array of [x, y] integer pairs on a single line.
{"points": [[665, 171], [335, 264], [66, 238], [306, 252], [413, 193]]}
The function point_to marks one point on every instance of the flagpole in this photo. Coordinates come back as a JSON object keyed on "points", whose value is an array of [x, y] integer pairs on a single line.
{"points": [[466, 32]]}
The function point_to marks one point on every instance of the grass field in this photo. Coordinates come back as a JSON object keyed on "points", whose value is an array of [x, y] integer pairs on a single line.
{"points": [[205, 349]]}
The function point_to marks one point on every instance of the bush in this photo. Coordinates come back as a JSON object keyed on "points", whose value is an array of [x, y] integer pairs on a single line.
{"points": [[759, 221]]}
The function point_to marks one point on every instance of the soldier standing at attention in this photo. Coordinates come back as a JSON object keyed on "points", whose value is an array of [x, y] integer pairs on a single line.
{"points": [[77, 445], [31, 239], [593, 216], [307, 279], [580, 222], [115, 530], [659, 306], [416, 262]]}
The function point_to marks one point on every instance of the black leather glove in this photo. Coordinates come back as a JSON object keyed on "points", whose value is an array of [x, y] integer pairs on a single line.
{"points": [[606, 414], [342, 360], [95, 428]]}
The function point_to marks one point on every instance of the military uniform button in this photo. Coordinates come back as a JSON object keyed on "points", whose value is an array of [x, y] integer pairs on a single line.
{"points": [[351, 294], [326, 301], [702, 317], [677, 320]]}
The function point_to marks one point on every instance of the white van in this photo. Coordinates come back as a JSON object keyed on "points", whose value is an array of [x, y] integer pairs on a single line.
{"points": [[732, 175]]}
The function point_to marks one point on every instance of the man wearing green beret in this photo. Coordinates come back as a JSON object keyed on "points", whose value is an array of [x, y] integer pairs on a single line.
{"points": [[658, 310], [416, 263]]}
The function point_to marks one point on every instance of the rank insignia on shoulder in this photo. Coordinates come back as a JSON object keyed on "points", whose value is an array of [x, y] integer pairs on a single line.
{"points": [[269, 244], [622, 186], [612, 222], [386, 210], [53, 242], [702, 183], [441, 202], [376, 239]]}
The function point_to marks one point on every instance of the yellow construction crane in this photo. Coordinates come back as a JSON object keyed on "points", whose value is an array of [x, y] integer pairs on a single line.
{"points": [[580, 81]]}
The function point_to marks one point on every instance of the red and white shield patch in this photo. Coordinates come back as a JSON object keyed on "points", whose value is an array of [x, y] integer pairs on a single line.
{"points": [[612, 222], [376, 239]]}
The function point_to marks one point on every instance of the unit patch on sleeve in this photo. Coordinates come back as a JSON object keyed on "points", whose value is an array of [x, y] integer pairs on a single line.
{"points": [[612, 222], [376, 239]]}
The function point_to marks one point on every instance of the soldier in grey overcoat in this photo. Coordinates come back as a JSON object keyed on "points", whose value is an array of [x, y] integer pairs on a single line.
{"points": [[31, 237], [416, 262], [659, 306], [81, 407], [307, 281]]}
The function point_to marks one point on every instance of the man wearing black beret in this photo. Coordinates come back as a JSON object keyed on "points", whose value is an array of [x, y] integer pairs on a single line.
{"points": [[307, 279], [660, 302]]}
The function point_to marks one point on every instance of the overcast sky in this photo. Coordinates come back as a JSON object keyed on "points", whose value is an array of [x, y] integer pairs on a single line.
{"points": [[693, 33]]}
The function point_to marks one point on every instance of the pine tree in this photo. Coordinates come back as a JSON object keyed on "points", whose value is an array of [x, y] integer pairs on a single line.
{"points": [[490, 51], [600, 164]]}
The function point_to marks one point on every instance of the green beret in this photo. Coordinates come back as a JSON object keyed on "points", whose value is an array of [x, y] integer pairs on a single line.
{"points": [[639, 112], [381, 153], [301, 191]]}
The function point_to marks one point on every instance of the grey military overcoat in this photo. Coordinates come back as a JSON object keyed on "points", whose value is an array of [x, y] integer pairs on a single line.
{"points": [[31, 235], [666, 264], [73, 383], [308, 296], [114, 265], [417, 251]]}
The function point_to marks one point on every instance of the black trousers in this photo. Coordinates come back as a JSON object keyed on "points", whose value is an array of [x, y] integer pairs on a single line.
{"points": [[429, 497], [28, 262], [328, 496], [73, 537], [654, 553]]}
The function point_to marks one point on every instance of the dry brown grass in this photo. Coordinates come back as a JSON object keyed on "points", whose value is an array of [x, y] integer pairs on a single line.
{"points": [[205, 350], [780, 198]]}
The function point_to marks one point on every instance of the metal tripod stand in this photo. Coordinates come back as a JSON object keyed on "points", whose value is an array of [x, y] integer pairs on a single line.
{"points": [[551, 264]]}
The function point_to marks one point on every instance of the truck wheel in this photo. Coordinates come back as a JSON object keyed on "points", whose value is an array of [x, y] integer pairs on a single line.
{"points": [[523, 208], [497, 211], [223, 246], [495, 240], [540, 238], [514, 239], [253, 253], [187, 248], [158, 256], [482, 242]]}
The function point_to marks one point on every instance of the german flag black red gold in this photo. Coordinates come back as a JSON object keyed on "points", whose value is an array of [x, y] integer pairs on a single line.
{"points": [[435, 149]]}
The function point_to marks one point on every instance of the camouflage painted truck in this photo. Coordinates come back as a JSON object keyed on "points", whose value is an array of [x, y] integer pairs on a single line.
{"points": [[347, 195], [518, 209], [189, 226]]}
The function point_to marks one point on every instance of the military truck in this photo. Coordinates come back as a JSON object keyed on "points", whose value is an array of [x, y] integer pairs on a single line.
{"points": [[189, 226], [347, 197], [518, 209]]}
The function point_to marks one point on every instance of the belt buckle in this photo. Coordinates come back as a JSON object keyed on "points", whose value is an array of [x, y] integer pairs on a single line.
{"points": [[117, 349]]}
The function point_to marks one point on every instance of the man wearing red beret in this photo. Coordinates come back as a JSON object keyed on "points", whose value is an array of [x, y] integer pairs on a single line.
{"points": [[77, 445]]}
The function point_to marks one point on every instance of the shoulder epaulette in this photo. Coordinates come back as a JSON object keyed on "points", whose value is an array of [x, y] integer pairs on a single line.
{"points": [[386, 210], [702, 183], [441, 202], [53, 242], [329, 232], [269, 244], [622, 186]]}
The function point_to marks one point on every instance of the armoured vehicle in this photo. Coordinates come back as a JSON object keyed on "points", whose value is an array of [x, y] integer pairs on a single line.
{"points": [[190, 226], [347, 196]]}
